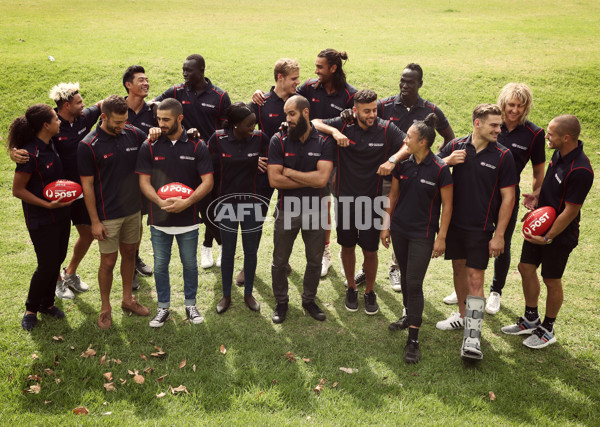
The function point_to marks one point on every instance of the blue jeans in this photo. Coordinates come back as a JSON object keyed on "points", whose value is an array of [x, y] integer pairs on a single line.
{"points": [[251, 230], [188, 247]]}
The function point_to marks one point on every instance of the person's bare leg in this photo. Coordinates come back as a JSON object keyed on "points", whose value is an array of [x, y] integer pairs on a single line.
{"points": [[370, 265], [461, 285], [82, 245], [105, 279], [531, 284], [127, 268], [349, 260], [554, 298]]}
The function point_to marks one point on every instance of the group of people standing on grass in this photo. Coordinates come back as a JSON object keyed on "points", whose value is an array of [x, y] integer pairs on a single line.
{"points": [[319, 141]]}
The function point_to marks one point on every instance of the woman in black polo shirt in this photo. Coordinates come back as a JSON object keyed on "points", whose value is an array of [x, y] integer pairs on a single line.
{"points": [[421, 185], [48, 223], [236, 151]]}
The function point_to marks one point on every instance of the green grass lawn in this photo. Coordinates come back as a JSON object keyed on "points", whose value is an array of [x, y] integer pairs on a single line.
{"points": [[469, 50]]}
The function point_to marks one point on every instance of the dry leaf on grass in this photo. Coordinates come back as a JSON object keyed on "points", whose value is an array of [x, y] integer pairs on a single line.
{"points": [[162, 377], [414, 374], [57, 338], [35, 356], [143, 356], [194, 368], [108, 376], [320, 386], [349, 370], [90, 352], [290, 356], [183, 363], [259, 393], [110, 387], [306, 360], [139, 379], [492, 396], [122, 381], [57, 380], [103, 359], [56, 362], [47, 402], [130, 372], [117, 361], [148, 370], [161, 395], [34, 389], [49, 371], [275, 381], [179, 389], [72, 348], [35, 377], [222, 349], [335, 384], [159, 354], [81, 410]]}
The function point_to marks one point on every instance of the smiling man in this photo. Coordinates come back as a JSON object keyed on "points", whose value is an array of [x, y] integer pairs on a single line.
{"points": [[484, 195]]}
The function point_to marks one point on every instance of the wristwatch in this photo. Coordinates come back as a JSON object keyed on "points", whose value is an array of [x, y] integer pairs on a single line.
{"points": [[548, 241], [393, 160]]}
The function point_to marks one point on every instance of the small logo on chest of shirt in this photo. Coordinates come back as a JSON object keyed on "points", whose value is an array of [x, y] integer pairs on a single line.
{"points": [[558, 178], [487, 165], [107, 155], [225, 155], [62, 138], [49, 165], [146, 125], [128, 149], [313, 154], [519, 146], [376, 144], [424, 181], [315, 100], [158, 158], [289, 154], [336, 107], [186, 158], [185, 102], [402, 177], [273, 115], [253, 154], [81, 131], [204, 104]]}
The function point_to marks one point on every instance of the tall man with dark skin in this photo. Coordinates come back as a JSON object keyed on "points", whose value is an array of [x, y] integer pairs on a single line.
{"points": [[106, 159], [567, 182]]}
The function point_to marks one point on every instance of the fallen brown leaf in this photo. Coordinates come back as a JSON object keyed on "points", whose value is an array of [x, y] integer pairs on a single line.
{"points": [[57, 380], [159, 379], [49, 371], [492, 396], [306, 360], [90, 352], [35, 389], [183, 363], [57, 338], [103, 359], [349, 370], [275, 381], [194, 368], [47, 402], [290, 356], [223, 349], [179, 389], [130, 372], [56, 362], [110, 387], [161, 395], [148, 370], [335, 384], [157, 348], [35, 377], [122, 381], [72, 348], [139, 379], [320, 386], [143, 356], [414, 374], [81, 410], [117, 361], [108, 376], [35, 356], [159, 354]]}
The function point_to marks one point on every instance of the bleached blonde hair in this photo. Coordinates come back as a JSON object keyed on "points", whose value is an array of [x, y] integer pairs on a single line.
{"points": [[64, 92], [519, 91]]}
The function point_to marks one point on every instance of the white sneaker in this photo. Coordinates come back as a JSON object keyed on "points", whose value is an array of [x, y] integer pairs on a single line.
{"points": [[451, 299], [218, 263], [326, 263], [62, 291], [342, 266], [74, 282], [493, 303], [206, 257], [451, 323], [395, 280]]}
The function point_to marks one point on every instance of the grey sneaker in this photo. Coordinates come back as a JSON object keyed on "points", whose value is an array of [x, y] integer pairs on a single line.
{"points": [[161, 317], [142, 268], [522, 327], [395, 280], [193, 314], [62, 291], [371, 306], [74, 282], [540, 338]]}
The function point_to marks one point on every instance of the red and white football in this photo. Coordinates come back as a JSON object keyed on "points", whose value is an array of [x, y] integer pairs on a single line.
{"points": [[69, 190], [174, 189], [539, 221]]}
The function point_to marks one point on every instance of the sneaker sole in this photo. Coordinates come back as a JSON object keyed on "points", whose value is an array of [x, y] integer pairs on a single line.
{"points": [[450, 302], [196, 322], [452, 328], [396, 289], [521, 332], [546, 344], [65, 297], [353, 310], [371, 313], [492, 312], [156, 325]]}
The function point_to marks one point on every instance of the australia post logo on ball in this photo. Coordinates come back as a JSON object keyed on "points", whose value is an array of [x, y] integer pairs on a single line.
{"points": [[227, 211]]}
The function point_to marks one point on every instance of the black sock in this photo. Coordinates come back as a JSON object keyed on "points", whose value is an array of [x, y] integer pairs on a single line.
{"points": [[137, 254], [531, 313], [548, 323], [413, 334]]}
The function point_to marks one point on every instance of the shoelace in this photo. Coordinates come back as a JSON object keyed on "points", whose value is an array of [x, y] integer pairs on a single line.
{"points": [[193, 312]]}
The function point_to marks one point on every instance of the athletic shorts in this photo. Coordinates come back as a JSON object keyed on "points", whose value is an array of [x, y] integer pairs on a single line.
{"points": [[120, 230], [553, 258], [79, 213], [470, 245], [358, 230]]}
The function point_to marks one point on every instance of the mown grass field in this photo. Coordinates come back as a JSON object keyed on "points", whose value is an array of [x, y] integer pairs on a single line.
{"points": [[468, 50]]}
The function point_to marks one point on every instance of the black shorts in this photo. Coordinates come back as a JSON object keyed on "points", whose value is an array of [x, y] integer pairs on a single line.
{"points": [[470, 245], [79, 213], [553, 258], [362, 228]]}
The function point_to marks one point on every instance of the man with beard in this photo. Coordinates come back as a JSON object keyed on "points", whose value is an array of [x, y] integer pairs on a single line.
{"points": [[362, 148], [106, 159], [204, 107], [300, 163], [173, 157], [76, 122]]}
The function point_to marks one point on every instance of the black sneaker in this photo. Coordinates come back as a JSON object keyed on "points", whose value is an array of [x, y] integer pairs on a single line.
{"points": [[52, 311], [135, 285], [371, 306], [161, 317], [280, 313], [411, 352], [314, 310], [360, 277], [142, 268], [399, 325], [29, 321], [351, 299]]}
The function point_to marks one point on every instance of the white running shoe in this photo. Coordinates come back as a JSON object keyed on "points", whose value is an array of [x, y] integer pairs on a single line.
{"points": [[74, 282], [395, 279], [206, 257], [451, 323], [493, 303], [451, 299], [218, 263], [326, 263], [62, 291]]}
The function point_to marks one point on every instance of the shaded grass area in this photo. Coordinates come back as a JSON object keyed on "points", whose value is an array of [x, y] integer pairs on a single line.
{"points": [[469, 51]]}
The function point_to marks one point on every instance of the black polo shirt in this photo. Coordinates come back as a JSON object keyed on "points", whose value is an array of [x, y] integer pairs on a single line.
{"points": [[477, 183], [303, 157], [44, 166], [393, 109], [357, 164], [202, 111], [111, 161], [325, 105], [568, 180], [417, 211], [67, 140], [270, 115], [143, 120], [237, 161], [186, 161], [525, 142]]}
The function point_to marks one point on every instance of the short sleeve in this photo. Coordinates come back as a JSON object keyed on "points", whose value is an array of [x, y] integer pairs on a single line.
{"points": [[329, 149], [447, 149], [442, 121], [538, 149], [85, 160], [508, 171], [395, 137], [91, 115], [276, 150], [336, 122], [578, 185], [29, 166], [143, 165], [445, 177], [225, 103], [203, 160]]}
